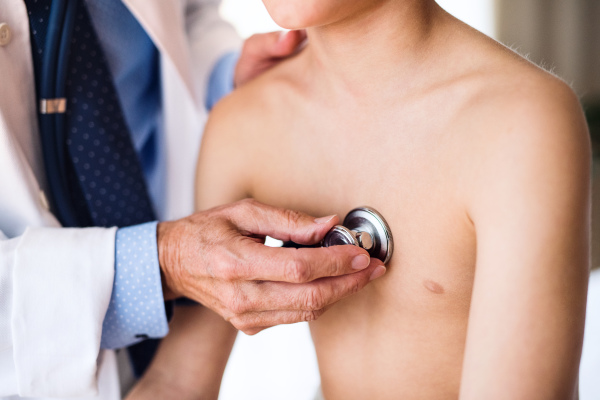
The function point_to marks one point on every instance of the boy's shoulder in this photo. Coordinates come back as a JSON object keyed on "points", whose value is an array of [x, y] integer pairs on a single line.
{"points": [[252, 108], [510, 116], [521, 120], [243, 125], [513, 100]]}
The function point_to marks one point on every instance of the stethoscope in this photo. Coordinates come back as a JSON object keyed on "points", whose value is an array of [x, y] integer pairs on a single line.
{"points": [[53, 107], [363, 227]]}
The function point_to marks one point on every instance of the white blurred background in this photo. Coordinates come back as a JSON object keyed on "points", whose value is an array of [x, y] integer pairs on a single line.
{"points": [[280, 363]]}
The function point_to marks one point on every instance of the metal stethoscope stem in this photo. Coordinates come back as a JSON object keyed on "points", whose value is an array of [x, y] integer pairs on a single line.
{"points": [[366, 228]]}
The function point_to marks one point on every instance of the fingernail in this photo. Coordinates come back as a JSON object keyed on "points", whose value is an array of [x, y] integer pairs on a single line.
{"points": [[378, 273], [361, 262], [282, 35], [324, 220]]}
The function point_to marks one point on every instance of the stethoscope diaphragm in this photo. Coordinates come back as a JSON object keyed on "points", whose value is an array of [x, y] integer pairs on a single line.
{"points": [[366, 228]]}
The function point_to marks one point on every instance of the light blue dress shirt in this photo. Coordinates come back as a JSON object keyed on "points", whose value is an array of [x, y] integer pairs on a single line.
{"points": [[137, 309]]}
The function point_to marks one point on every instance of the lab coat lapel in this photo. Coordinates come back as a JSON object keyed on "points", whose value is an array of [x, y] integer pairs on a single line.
{"points": [[17, 102], [163, 21]]}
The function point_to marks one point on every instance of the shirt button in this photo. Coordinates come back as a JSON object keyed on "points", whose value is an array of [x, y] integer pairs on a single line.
{"points": [[5, 34]]}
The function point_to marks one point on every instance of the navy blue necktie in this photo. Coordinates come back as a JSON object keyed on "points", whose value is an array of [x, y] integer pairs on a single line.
{"points": [[105, 177]]}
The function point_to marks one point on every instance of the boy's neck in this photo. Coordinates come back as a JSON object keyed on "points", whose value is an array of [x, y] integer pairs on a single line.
{"points": [[374, 49]]}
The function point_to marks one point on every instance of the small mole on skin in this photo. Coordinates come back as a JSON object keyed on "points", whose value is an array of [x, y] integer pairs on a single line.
{"points": [[433, 287]]}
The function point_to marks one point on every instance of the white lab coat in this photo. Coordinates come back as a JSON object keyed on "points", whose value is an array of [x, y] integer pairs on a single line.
{"points": [[56, 283]]}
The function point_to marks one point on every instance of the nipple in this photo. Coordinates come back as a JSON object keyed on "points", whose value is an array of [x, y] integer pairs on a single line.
{"points": [[433, 287]]}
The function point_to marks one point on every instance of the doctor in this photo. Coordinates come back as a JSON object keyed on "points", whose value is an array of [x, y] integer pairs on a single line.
{"points": [[102, 106]]}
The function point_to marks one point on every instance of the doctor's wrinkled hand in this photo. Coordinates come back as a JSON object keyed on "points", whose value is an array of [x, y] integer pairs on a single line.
{"points": [[217, 257]]}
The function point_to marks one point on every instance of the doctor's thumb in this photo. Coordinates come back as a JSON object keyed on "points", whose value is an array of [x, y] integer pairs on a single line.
{"points": [[282, 224]]}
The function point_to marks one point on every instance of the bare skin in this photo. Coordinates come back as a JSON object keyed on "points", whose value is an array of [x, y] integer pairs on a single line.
{"points": [[191, 379], [215, 257], [478, 160]]}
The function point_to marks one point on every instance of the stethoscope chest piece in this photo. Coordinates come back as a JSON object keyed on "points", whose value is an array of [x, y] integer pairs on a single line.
{"points": [[366, 228]]}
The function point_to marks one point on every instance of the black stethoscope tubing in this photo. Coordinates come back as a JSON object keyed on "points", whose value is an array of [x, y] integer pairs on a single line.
{"points": [[53, 126]]}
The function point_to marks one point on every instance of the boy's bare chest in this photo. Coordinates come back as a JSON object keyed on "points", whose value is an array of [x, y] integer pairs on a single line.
{"points": [[412, 176]]}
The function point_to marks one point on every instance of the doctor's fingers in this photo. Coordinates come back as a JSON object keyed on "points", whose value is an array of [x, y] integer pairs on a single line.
{"points": [[264, 50], [261, 263], [250, 298], [255, 218], [274, 44], [253, 323]]}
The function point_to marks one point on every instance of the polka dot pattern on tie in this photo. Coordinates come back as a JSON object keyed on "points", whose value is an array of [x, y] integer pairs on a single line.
{"points": [[106, 165], [38, 12], [137, 291]]}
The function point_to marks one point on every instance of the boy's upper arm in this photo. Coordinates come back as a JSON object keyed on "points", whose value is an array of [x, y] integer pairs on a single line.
{"points": [[223, 171], [530, 208]]}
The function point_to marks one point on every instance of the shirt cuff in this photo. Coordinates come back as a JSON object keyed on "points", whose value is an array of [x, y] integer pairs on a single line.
{"points": [[220, 82], [137, 309]]}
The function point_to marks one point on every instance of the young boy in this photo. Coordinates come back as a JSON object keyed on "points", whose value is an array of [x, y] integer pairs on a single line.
{"points": [[478, 160]]}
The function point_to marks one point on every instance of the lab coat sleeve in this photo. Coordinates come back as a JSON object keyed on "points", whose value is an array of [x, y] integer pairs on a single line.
{"points": [[210, 38], [55, 287]]}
